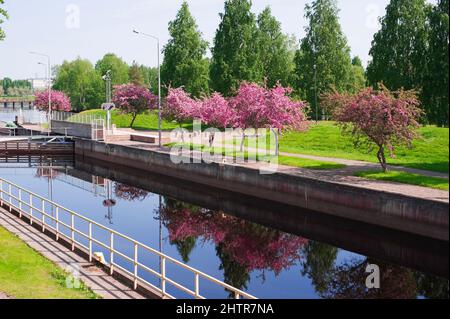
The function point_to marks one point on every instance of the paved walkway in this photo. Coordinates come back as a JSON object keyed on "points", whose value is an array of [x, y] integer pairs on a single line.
{"points": [[95, 278], [357, 166]]}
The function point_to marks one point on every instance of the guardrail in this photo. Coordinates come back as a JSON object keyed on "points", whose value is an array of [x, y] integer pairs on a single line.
{"points": [[24, 200], [24, 147]]}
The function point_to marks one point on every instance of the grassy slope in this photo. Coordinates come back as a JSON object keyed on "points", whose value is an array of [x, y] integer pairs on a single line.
{"points": [[406, 178], [430, 152], [147, 121], [25, 274]]}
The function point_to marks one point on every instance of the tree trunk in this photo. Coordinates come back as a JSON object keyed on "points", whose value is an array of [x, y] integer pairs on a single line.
{"points": [[277, 142], [132, 121], [242, 141], [211, 139], [382, 159]]}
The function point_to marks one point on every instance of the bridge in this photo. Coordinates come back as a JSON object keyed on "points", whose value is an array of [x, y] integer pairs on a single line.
{"points": [[16, 103], [37, 145]]}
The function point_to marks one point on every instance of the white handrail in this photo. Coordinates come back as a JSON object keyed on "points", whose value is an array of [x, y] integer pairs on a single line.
{"points": [[27, 208]]}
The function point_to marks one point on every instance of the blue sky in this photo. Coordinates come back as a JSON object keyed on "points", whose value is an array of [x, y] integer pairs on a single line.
{"points": [[66, 29]]}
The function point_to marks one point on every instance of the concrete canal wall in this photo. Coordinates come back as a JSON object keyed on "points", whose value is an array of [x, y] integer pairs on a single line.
{"points": [[413, 215], [75, 129]]}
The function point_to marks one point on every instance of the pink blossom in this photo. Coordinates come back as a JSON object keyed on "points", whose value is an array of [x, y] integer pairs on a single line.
{"points": [[59, 101]]}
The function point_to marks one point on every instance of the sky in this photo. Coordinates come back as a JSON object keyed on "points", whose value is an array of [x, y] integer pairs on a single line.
{"points": [[66, 29]]}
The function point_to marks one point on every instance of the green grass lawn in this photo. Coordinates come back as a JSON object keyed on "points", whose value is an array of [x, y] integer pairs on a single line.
{"points": [[429, 152], [406, 178], [25, 274], [147, 121]]}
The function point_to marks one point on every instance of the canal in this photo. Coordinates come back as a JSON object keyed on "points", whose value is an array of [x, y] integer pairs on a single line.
{"points": [[267, 249]]}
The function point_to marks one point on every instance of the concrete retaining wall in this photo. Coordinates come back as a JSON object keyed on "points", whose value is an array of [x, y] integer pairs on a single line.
{"points": [[75, 129], [413, 215]]}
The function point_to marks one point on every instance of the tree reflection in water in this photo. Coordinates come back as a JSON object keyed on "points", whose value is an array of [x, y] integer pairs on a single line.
{"points": [[242, 246], [348, 281], [129, 193]]}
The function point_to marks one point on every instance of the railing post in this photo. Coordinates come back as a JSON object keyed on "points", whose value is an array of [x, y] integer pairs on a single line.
{"points": [[197, 285], [31, 209], [1, 191], [10, 197], [163, 275], [111, 253], [20, 203], [72, 228], [90, 241], [135, 265], [43, 215], [57, 223]]}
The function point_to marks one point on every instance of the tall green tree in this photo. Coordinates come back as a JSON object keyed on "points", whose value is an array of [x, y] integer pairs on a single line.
{"points": [[79, 80], [135, 74], [358, 78], [399, 49], [150, 75], [3, 15], [323, 62], [235, 55], [184, 55], [435, 95], [275, 56], [119, 69]]}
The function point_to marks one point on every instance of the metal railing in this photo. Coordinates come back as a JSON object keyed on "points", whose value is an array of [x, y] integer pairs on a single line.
{"points": [[24, 202], [77, 117]]}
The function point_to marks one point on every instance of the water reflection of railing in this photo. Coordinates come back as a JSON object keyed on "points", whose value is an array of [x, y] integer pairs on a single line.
{"points": [[24, 201], [96, 187]]}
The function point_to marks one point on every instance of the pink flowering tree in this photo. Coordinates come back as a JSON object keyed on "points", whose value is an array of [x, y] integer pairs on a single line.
{"points": [[59, 100], [217, 113], [381, 119], [259, 107], [133, 99], [180, 107]]}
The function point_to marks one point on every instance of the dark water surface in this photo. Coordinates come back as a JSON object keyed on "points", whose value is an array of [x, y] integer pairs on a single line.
{"points": [[266, 249]]}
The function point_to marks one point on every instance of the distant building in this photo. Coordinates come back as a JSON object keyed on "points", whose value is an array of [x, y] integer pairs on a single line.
{"points": [[38, 84]]}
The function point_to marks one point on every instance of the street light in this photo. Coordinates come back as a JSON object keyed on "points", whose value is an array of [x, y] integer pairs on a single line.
{"points": [[315, 93], [49, 85], [159, 82]]}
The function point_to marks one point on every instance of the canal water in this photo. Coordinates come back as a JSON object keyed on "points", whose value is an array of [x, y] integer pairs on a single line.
{"points": [[29, 116], [263, 260]]}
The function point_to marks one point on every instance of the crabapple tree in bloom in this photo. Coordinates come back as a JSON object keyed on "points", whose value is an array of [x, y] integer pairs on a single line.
{"points": [[259, 107], [60, 101], [217, 113], [180, 107], [133, 99], [378, 118]]}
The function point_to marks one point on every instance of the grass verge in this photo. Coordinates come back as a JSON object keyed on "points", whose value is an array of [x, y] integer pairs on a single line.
{"points": [[406, 178], [26, 274]]}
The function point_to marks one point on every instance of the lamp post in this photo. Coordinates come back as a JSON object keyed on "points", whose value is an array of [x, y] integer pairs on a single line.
{"points": [[315, 93], [49, 85], [159, 82]]}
